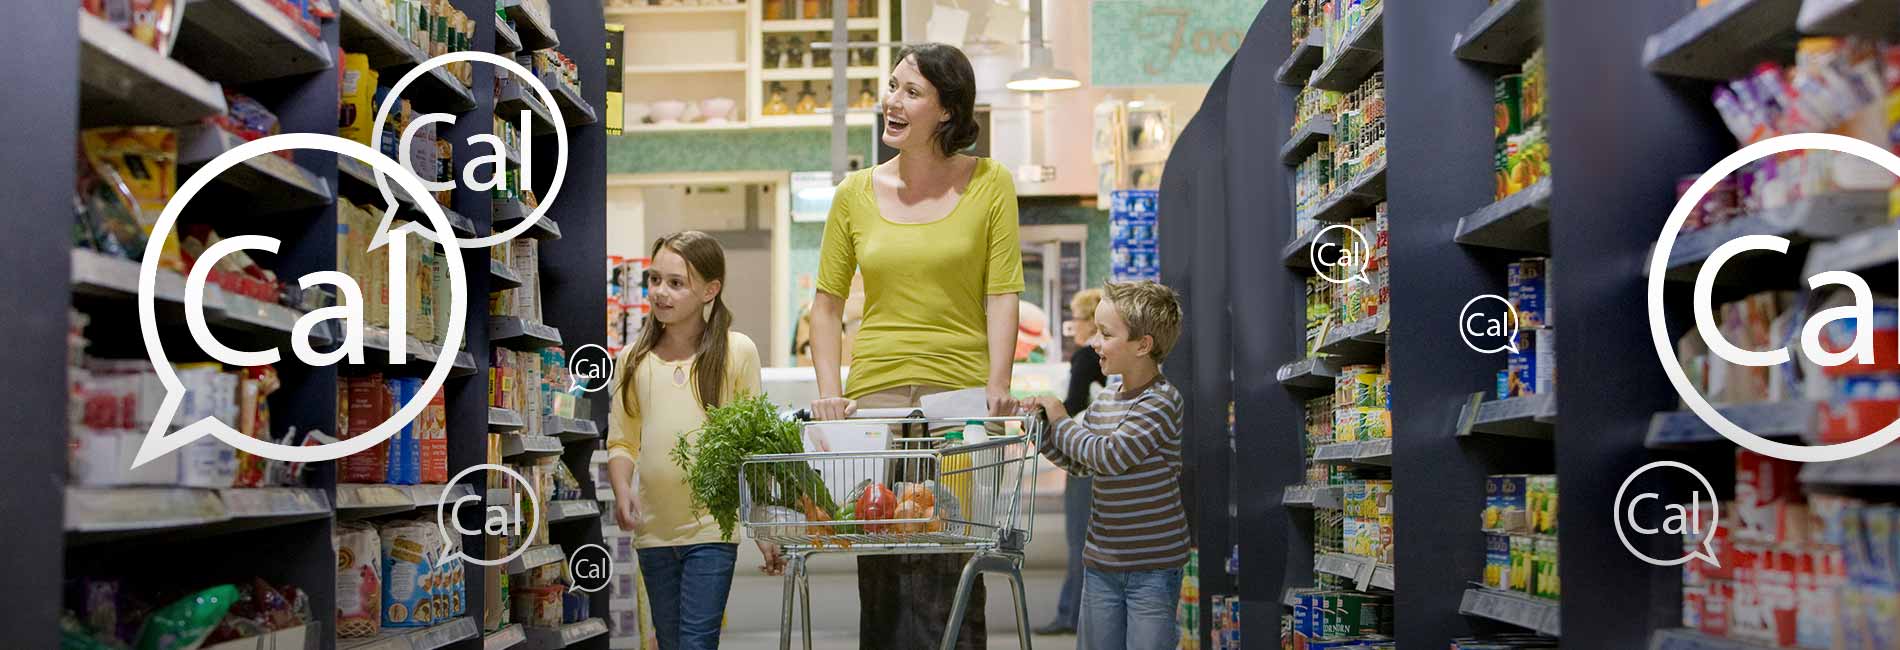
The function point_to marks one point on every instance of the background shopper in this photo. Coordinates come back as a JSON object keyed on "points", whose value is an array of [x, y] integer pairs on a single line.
{"points": [[687, 360], [934, 233], [1085, 374], [1129, 439]]}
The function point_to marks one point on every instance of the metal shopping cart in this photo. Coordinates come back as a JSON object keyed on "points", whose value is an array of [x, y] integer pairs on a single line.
{"points": [[941, 499]]}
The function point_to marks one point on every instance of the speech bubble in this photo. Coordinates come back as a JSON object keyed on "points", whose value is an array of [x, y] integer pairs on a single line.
{"points": [[449, 551], [1659, 325], [600, 359], [1361, 249], [156, 442], [580, 555], [527, 150], [1707, 554], [1512, 327]]}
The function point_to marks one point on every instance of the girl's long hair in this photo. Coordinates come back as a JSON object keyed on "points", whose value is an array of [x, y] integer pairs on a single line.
{"points": [[704, 256]]}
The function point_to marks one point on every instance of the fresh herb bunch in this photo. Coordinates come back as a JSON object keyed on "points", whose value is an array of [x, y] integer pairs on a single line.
{"points": [[713, 455]]}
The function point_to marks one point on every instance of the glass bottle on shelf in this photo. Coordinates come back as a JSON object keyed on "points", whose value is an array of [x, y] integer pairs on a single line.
{"points": [[854, 8], [774, 9], [820, 57], [810, 54], [866, 97], [775, 105], [794, 53], [772, 50], [807, 102], [815, 9]]}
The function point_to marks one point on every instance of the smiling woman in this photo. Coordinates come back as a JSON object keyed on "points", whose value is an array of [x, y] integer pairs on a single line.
{"points": [[934, 234]]}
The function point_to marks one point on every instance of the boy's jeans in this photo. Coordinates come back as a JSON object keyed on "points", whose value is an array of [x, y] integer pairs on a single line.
{"points": [[686, 590], [1130, 610]]}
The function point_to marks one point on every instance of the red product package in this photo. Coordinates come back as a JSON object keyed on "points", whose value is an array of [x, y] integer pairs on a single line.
{"points": [[1762, 484], [1714, 617], [369, 406], [432, 432]]}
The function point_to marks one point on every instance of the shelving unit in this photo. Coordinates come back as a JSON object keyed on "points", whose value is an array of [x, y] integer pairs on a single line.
{"points": [[100, 76]]}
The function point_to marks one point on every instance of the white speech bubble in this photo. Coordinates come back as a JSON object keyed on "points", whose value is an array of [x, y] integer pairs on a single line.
{"points": [[576, 556], [574, 376], [527, 150], [1707, 554], [1510, 337], [158, 444], [1659, 326], [1356, 241], [443, 502]]}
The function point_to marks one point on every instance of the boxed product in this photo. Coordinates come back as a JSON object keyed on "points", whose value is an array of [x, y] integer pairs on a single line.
{"points": [[1526, 289], [1541, 501], [370, 404], [1497, 561], [1765, 487], [1523, 547], [359, 588], [432, 440], [1505, 503], [1544, 582], [408, 574], [405, 450], [525, 255]]}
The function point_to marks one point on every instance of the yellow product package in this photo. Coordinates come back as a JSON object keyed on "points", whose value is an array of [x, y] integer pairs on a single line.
{"points": [[356, 112], [145, 158]]}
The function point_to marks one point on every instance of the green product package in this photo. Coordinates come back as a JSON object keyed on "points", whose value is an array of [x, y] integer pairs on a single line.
{"points": [[186, 623]]}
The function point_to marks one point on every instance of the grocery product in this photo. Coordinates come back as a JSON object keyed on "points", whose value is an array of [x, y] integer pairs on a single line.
{"points": [[359, 590], [144, 159], [432, 439], [408, 573], [370, 404], [356, 113], [185, 624]]}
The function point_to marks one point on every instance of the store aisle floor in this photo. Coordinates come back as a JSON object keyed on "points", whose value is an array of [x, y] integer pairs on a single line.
{"points": [[754, 609]]}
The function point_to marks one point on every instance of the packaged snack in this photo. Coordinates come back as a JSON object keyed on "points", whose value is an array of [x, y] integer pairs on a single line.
{"points": [[432, 435], [408, 574], [370, 405], [405, 450], [154, 23], [1507, 106], [185, 624], [359, 583], [145, 160]]}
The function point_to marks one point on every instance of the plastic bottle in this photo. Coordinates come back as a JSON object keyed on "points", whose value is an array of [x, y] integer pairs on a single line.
{"points": [[957, 461]]}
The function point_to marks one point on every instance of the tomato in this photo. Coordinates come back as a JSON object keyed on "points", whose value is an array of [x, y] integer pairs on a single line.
{"points": [[877, 503]]}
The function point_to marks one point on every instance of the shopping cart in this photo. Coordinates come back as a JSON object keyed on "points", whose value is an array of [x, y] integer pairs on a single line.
{"points": [[958, 499]]}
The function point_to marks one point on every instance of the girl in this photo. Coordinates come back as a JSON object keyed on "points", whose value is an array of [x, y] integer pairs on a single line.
{"points": [[687, 360]]}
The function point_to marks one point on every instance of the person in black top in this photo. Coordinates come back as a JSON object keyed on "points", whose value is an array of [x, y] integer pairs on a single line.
{"points": [[1085, 374]]}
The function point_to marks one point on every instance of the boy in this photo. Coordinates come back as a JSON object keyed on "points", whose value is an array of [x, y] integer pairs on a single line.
{"points": [[1129, 439]]}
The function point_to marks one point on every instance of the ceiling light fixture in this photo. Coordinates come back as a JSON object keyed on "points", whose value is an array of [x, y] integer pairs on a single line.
{"points": [[1042, 75]]}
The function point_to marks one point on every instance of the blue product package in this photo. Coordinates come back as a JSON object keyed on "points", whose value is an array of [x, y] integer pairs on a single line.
{"points": [[405, 450], [1528, 286]]}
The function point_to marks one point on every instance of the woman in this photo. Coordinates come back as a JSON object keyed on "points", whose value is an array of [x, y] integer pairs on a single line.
{"points": [[934, 233], [687, 360], [1085, 373]]}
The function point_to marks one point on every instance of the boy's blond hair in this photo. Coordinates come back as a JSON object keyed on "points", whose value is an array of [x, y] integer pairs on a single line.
{"points": [[1150, 309]]}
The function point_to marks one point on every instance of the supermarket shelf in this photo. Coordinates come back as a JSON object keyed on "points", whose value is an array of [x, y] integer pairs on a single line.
{"points": [[1361, 340], [815, 121], [536, 31], [1721, 41], [498, 497], [1871, 244], [1671, 429], [685, 68], [817, 74], [246, 313], [270, 183], [1532, 416], [575, 111], [1306, 140], [100, 274], [428, 638], [95, 515], [513, 97], [1519, 222], [1820, 217], [666, 127], [1324, 497], [421, 356], [1523, 611], [1291, 597], [1877, 468], [240, 41], [1684, 639], [509, 212], [1360, 54], [1849, 17], [1313, 373], [815, 25], [570, 429], [500, 277], [436, 89], [575, 509], [1365, 190], [356, 500], [1364, 452], [362, 32], [536, 556], [1296, 255], [1352, 567], [1504, 34], [501, 419], [517, 334], [504, 638], [506, 40], [124, 82], [1300, 63], [1383, 577], [566, 635], [529, 445], [1300, 496]]}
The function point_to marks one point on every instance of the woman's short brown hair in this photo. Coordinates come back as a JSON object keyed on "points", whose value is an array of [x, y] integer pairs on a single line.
{"points": [[947, 69]]}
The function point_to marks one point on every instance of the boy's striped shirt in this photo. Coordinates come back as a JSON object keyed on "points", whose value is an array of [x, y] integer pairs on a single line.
{"points": [[1133, 449]]}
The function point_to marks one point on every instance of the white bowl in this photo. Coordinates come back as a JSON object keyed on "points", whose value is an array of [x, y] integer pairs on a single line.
{"points": [[716, 109], [668, 112]]}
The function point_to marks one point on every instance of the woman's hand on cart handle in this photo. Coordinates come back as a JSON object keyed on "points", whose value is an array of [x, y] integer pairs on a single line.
{"points": [[774, 561], [833, 408], [1002, 404]]}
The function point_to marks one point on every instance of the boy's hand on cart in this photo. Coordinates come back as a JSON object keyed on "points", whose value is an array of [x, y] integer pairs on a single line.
{"points": [[774, 561], [1051, 407], [833, 408]]}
